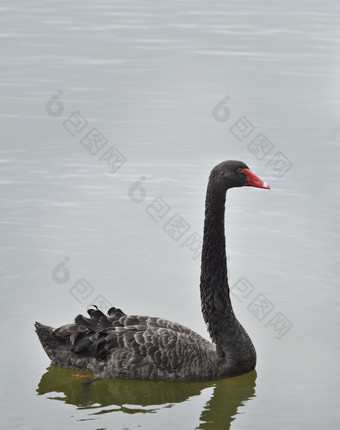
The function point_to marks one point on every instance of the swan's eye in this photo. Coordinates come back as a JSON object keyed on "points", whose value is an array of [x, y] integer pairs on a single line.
{"points": [[239, 170]]}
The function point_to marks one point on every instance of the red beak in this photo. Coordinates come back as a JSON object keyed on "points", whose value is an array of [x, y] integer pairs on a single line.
{"points": [[254, 181]]}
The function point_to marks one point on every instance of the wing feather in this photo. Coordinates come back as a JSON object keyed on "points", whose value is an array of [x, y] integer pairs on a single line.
{"points": [[133, 345]]}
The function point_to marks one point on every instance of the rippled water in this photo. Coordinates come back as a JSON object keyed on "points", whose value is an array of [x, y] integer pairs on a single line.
{"points": [[170, 89]]}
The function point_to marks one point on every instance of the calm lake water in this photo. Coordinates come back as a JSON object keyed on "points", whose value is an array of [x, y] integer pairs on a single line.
{"points": [[112, 115]]}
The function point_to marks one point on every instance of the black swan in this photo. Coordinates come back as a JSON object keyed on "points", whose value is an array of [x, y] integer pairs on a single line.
{"points": [[117, 345]]}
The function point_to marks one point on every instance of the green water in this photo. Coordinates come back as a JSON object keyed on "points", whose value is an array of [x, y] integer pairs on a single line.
{"points": [[147, 397]]}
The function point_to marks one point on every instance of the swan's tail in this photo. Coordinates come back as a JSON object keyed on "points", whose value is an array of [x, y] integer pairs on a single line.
{"points": [[47, 339], [77, 345], [57, 347]]}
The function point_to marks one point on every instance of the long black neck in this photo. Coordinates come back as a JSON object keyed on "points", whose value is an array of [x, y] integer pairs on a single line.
{"points": [[231, 340]]}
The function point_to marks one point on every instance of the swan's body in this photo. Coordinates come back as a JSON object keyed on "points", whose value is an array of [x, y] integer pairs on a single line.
{"points": [[140, 347]]}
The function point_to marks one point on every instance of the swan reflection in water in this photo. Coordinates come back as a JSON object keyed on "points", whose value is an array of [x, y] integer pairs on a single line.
{"points": [[138, 396]]}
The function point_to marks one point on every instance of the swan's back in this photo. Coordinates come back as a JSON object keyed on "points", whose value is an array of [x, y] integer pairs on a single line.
{"points": [[129, 346]]}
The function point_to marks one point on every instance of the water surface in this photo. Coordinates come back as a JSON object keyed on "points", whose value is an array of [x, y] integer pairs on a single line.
{"points": [[170, 89]]}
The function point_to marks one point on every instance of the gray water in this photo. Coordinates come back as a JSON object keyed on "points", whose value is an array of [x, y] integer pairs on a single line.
{"points": [[112, 115]]}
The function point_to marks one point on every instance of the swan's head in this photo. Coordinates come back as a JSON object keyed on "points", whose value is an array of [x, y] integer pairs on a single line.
{"points": [[232, 173]]}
